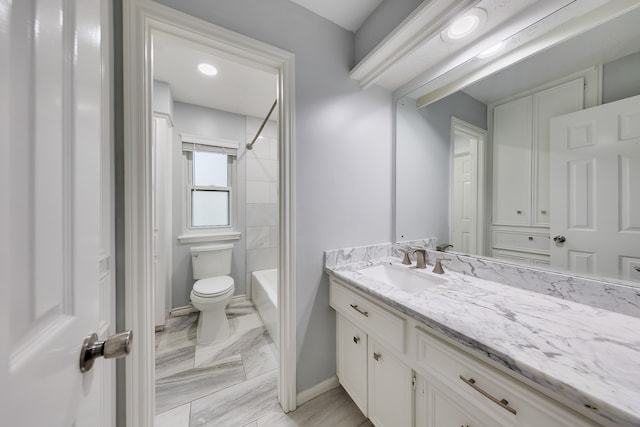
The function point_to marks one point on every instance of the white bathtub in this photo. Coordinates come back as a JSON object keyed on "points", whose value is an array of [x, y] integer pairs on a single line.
{"points": [[264, 292]]}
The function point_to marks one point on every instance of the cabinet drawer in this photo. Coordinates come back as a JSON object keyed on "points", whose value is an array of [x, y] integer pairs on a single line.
{"points": [[521, 241], [369, 316], [494, 393]]}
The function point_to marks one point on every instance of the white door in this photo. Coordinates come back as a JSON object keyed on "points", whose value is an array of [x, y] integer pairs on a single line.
{"points": [[58, 218], [464, 214], [595, 201], [466, 188]]}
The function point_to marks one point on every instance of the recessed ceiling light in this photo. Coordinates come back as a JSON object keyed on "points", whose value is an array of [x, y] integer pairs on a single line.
{"points": [[492, 50], [207, 69], [465, 25]]}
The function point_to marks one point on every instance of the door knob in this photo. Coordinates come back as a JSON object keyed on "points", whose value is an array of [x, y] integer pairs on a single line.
{"points": [[559, 239], [114, 347]]}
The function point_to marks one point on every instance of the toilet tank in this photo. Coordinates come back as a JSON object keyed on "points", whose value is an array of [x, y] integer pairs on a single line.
{"points": [[211, 261]]}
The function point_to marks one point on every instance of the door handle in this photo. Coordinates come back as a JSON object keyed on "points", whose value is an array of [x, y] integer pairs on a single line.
{"points": [[559, 239], [114, 347]]}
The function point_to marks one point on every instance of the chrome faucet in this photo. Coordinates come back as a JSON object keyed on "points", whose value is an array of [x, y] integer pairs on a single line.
{"points": [[443, 247], [421, 257], [438, 267]]}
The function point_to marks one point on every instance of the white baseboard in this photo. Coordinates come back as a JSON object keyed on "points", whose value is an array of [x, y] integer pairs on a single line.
{"points": [[188, 309], [238, 299], [317, 390]]}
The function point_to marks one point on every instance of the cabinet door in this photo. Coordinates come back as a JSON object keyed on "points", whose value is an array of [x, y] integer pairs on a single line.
{"points": [[563, 99], [512, 143], [449, 412], [390, 389], [352, 361], [434, 408]]}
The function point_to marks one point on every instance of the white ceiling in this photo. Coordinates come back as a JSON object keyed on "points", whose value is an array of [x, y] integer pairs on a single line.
{"points": [[349, 14], [608, 42], [237, 88]]}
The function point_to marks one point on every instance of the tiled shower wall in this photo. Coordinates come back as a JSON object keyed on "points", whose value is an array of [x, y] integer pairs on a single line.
{"points": [[262, 198]]}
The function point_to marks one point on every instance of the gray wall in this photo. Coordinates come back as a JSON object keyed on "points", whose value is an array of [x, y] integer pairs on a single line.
{"points": [[343, 156], [382, 21], [423, 160], [193, 119], [621, 78]]}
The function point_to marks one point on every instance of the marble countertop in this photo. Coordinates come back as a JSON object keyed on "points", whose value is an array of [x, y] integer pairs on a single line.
{"points": [[590, 356]]}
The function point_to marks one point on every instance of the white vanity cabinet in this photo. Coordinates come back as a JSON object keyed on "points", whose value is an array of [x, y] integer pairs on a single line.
{"points": [[351, 352], [460, 390], [377, 380], [520, 142], [400, 374], [390, 388]]}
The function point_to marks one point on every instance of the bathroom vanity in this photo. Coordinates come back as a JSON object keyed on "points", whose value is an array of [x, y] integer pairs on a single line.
{"points": [[416, 348]]}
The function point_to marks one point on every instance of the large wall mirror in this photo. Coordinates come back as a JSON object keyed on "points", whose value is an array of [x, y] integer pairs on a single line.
{"points": [[537, 163]]}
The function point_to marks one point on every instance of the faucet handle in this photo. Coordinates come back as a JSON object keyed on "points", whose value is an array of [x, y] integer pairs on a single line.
{"points": [[438, 267], [406, 250]]}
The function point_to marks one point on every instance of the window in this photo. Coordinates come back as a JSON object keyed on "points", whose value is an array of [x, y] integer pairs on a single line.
{"points": [[209, 176]]}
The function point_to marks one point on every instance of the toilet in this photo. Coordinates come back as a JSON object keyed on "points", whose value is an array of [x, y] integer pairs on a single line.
{"points": [[212, 290]]}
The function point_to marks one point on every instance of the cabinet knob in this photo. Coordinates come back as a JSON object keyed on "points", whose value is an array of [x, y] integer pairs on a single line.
{"points": [[356, 340], [376, 356], [530, 238], [519, 212], [543, 212]]}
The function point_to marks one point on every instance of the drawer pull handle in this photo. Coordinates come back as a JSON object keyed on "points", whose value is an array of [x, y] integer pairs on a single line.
{"points": [[637, 268], [355, 307], [356, 340], [504, 403], [543, 212], [530, 238], [376, 356]]}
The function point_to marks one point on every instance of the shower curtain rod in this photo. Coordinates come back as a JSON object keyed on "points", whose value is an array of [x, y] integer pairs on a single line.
{"points": [[266, 119]]}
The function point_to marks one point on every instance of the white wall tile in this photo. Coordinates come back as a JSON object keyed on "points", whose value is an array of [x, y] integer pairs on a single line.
{"points": [[273, 192], [262, 169], [275, 235], [258, 237], [273, 145], [262, 214], [261, 148], [262, 259], [259, 192]]}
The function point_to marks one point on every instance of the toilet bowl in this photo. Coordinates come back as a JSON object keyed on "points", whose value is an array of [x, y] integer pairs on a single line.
{"points": [[212, 290]]}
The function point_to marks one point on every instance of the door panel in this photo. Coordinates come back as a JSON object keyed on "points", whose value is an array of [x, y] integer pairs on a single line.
{"points": [[595, 162], [54, 195]]}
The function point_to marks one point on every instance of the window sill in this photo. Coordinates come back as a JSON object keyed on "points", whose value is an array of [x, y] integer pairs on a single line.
{"points": [[209, 237]]}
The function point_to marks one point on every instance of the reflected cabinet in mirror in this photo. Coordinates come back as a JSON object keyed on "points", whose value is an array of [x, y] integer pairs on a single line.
{"points": [[537, 163]]}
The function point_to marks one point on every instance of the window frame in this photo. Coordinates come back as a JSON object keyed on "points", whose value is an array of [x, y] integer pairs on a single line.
{"points": [[189, 145]]}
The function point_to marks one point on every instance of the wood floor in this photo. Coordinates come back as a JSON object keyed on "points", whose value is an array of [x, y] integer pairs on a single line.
{"points": [[232, 382]]}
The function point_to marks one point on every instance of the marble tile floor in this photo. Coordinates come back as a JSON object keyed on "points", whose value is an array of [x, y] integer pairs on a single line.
{"points": [[232, 382]]}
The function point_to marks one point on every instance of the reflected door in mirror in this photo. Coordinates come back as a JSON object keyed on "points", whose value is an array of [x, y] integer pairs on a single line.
{"points": [[595, 200]]}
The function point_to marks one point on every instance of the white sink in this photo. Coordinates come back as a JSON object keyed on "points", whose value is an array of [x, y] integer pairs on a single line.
{"points": [[408, 279]]}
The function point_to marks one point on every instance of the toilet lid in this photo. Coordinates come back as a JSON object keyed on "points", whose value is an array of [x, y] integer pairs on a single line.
{"points": [[212, 286]]}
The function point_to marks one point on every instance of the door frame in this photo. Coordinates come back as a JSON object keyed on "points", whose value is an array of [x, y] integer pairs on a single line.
{"points": [[140, 18], [459, 125]]}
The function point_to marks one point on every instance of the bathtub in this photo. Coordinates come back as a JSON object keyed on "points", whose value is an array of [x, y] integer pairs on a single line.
{"points": [[264, 293]]}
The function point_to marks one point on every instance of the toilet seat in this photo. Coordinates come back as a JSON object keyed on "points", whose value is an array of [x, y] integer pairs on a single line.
{"points": [[212, 286]]}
